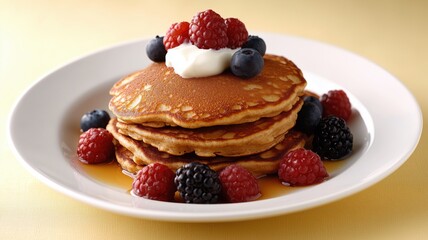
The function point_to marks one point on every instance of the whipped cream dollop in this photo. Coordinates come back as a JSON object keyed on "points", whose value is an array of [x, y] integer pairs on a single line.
{"points": [[190, 61]]}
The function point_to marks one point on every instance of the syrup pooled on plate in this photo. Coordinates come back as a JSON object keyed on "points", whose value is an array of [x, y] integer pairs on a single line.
{"points": [[111, 174]]}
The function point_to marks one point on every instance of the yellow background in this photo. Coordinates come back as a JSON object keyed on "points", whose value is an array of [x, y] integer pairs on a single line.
{"points": [[38, 36]]}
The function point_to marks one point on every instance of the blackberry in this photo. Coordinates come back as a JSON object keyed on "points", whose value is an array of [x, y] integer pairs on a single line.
{"points": [[256, 43], [155, 49], [197, 183], [332, 138], [96, 118], [308, 118], [246, 63]]}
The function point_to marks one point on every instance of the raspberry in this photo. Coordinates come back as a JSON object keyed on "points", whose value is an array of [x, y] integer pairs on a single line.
{"points": [[301, 167], [208, 30], [332, 138], [238, 184], [336, 103], [95, 146], [177, 34], [156, 182], [236, 33], [197, 183]]}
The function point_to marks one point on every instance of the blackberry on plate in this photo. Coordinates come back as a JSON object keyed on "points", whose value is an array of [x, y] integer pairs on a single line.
{"points": [[256, 43], [332, 138], [155, 49], [308, 118], [96, 118], [246, 63], [197, 183]]}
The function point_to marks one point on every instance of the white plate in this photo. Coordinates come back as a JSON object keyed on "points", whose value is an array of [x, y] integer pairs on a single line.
{"points": [[386, 125]]}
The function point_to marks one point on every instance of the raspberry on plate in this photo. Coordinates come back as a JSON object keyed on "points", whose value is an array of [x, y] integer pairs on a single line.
{"points": [[197, 183], [208, 30], [336, 103], [237, 33], [177, 34], [95, 146], [238, 184], [301, 167], [156, 182]]}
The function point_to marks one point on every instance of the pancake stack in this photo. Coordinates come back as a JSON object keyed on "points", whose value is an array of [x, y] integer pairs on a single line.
{"points": [[218, 120]]}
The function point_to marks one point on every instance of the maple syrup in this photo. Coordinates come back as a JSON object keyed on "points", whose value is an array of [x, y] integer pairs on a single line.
{"points": [[113, 175]]}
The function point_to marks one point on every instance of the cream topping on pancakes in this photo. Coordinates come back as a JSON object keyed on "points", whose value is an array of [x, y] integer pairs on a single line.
{"points": [[190, 61]]}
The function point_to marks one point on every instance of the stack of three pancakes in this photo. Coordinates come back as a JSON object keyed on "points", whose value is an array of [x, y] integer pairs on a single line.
{"points": [[218, 120]]}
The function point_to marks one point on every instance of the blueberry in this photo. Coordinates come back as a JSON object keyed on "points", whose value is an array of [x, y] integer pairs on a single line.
{"points": [[308, 118], [314, 100], [156, 50], [246, 63], [94, 119], [256, 43]]}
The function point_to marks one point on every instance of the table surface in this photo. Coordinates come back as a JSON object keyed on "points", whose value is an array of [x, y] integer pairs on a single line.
{"points": [[38, 36]]}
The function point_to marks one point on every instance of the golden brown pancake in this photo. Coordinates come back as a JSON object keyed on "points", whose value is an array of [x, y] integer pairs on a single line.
{"points": [[132, 155], [230, 140], [156, 96]]}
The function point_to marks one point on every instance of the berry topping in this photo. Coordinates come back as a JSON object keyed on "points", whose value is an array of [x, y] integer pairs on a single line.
{"points": [[301, 167], [208, 30], [308, 118], [246, 63], [332, 138], [155, 49], [197, 183], [336, 103], [177, 34], [238, 184], [94, 119], [156, 182], [95, 146], [237, 34], [313, 100], [256, 43]]}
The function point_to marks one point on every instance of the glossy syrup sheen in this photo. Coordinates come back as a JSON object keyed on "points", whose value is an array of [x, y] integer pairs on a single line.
{"points": [[112, 174]]}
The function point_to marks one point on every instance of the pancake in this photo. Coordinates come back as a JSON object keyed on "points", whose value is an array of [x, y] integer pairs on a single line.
{"points": [[230, 140], [132, 155], [157, 97]]}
